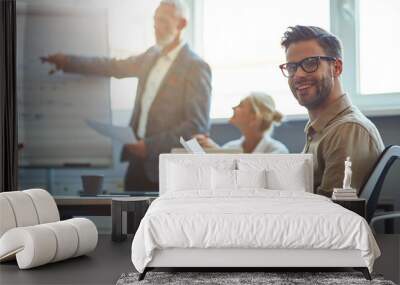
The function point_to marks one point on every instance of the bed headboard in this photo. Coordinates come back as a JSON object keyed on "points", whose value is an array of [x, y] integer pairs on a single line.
{"points": [[278, 162]]}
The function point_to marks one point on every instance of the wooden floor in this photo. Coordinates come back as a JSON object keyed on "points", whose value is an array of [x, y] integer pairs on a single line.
{"points": [[110, 260]]}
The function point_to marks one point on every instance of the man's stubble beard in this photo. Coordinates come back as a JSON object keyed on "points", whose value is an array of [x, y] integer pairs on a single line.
{"points": [[166, 41], [324, 88]]}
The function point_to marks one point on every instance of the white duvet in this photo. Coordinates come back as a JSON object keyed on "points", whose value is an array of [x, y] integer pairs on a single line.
{"points": [[250, 219]]}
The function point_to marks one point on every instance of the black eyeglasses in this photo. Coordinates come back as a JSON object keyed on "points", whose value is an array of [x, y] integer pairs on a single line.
{"points": [[309, 65]]}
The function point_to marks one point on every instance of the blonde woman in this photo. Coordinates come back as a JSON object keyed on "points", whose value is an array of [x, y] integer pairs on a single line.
{"points": [[255, 117]]}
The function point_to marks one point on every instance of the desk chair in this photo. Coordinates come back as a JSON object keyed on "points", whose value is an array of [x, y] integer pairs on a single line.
{"points": [[372, 186]]}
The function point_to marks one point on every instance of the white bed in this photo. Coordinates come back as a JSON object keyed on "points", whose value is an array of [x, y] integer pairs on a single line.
{"points": [[202, 220]]}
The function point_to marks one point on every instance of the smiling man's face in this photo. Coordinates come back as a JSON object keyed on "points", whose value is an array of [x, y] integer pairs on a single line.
{"points": [[310, 89]]}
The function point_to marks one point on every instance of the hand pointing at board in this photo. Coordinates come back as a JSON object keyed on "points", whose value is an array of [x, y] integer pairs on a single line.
{"points": [[59, 60]]}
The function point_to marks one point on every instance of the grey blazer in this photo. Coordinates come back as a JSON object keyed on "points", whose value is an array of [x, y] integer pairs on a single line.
{"points": [[181, 106]]}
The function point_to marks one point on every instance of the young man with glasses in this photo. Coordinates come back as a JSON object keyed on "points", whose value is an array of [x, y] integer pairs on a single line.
{"points": [[336, 129]]}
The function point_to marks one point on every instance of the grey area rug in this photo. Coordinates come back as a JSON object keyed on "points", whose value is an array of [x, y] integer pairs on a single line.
{"points": [[229, 278]]}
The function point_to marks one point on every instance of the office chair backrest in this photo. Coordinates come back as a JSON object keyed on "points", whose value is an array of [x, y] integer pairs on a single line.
{"points": [[373, 183]]}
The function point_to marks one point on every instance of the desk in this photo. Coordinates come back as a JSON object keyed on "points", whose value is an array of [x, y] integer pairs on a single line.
{"points": [[126, 214], [70, 206]]}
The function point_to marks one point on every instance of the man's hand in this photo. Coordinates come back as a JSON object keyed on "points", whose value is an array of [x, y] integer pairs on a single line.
{"points": [[58, 59], [205, 141], [138, 149]]}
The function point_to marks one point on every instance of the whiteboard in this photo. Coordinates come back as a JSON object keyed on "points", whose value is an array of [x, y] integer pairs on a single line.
{"points": [[52, 110]]}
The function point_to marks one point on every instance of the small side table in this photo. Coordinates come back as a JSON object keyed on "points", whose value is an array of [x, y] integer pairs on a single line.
{"points": [[358, 205], [126, 214]]}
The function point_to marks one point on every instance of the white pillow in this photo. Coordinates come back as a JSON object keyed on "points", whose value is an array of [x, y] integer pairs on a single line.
{"points": [[182, 177], [223, 179], [281, 180], [285, 173], [229, 180], [251, 178], [185, 173]]}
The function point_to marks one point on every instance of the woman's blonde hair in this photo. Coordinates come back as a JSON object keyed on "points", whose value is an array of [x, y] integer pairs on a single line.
{"points": [[264, 107]]}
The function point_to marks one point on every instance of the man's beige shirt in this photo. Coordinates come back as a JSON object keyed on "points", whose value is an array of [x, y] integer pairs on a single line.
{"points": [[341, 131]]}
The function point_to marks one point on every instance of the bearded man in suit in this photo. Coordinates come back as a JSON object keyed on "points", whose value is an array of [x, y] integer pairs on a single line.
{"points": [[173, 96]]}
